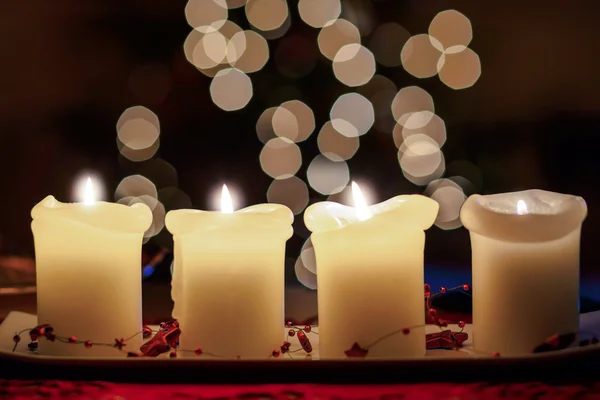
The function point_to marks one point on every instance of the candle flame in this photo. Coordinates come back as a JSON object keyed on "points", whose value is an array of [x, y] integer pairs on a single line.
{"points": [[89, 197], [521, 208], [226, 203], [362, 210]]}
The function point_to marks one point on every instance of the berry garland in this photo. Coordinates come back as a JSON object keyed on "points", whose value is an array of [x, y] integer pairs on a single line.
{"points": [[166, 338]]}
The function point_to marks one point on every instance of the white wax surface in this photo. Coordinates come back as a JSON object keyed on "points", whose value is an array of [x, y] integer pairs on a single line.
{"points": [[228, 279], [370, 275], [525, 268], [88, 271]]}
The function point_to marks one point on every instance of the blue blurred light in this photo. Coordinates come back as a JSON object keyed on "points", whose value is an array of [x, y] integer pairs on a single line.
{"points": [[147, 271]]}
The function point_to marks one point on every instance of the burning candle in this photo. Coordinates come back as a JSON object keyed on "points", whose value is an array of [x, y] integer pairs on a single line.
{"points": [[228, 278], [88, 267], [525, 250], [370, 274]]}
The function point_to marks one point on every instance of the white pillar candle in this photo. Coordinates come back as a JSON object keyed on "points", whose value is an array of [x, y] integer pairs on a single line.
{"points": [[370, 274], [228, 278], [525, 250], [88, 271]]}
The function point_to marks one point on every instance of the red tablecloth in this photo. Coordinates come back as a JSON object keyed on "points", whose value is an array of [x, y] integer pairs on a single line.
{"points": [[433, 391]]}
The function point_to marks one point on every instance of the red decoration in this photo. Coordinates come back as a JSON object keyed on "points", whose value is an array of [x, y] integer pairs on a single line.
{"points": [[496, 354], [443, 290], [445, 339], [406, 330], [465, 287], [276, 353], [427, 288], [292, 333], [307, 328], [88, 344], [72, 339], [461, 324], [289, 324], [304, 342], [146, 332], [432, 312], [356, 351], [120, 343], [16, 338], [34, 334], [198, 351], [173, 354]]}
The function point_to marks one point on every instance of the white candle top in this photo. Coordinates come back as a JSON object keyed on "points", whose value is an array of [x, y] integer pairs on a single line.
{"points": [[254, 218], [527, 216], [411, 211], [100, 214]]}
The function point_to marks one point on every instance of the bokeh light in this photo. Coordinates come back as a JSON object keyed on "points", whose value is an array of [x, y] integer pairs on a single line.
{"points": [[206, 14], [135, 186], [452, 30], [291, 192], [304, 276], [280, 158], [450, 197], [335, 35], [460, 70], [410, 100], [231, 89], [317, 13], [266, 15], [307, 253], [420, 56], [255, 54], [264, 125], [435, 128], [336, 146], [361, 13], [387, 42], [354, 65], [327, 176], [293, 120], [138, 132], [352, 114]]}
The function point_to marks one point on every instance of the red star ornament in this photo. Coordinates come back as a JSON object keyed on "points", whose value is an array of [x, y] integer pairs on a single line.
{"points": [[356, 351]]}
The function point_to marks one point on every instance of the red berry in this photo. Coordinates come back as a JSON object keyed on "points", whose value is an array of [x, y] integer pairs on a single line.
{"points": [[146, 332], [466, 287], [287, 345], [443, 289], [495, 354], [289, 324], [461, 324], [292, 332], [276, 353], [307, 328], [16, 338], [198, 351], [162, 325], [34, 334], [88, 344], [406, 330], [432, 312], [173, 354], [283, 349], [442, 323], [72, 339]]}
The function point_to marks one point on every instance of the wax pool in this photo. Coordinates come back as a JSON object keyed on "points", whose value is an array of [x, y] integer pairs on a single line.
{"points": [[525, 251], [88, 271], [370, 274]]}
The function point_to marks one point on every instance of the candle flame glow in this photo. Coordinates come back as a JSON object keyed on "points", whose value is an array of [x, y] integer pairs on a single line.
{"points": [[362, 210], [89, 197], [521, 208], [226, 203]]}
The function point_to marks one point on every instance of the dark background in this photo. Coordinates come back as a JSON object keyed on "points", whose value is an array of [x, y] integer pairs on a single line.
{"points": [[531, 121]]}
